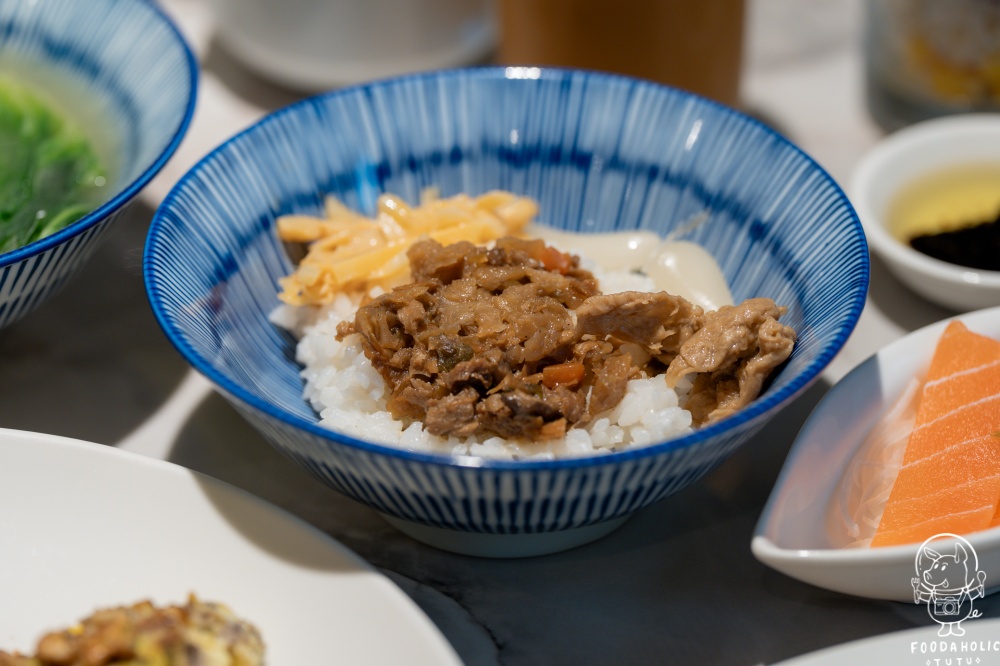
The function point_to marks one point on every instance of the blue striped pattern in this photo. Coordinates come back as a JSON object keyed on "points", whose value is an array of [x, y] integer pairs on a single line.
{"points": [[143, 79], [599, 152]]}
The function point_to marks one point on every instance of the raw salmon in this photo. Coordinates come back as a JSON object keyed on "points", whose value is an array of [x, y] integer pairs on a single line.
{"points": [[950, 478]]}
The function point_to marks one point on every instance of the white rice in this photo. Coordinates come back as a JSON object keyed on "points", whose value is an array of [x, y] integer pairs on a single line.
{"points": [[350, 395]]}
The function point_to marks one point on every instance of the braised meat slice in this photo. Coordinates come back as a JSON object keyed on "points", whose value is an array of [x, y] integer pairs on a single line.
{"points": [[517, 341], [657, 321], [733, 353]]}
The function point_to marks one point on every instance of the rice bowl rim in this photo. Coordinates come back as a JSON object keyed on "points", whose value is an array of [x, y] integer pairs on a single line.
{"points": [[129, 192], [758, 409]]}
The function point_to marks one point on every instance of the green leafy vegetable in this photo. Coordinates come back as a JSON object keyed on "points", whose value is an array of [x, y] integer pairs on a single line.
{"points": [[49, 173]]}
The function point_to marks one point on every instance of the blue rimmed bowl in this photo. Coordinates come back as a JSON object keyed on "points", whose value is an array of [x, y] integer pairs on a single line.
{"points": [[121, 71], [599, 153]]}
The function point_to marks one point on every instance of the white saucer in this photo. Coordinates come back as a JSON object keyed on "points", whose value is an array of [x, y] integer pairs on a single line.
{"points": [[85, 526]]}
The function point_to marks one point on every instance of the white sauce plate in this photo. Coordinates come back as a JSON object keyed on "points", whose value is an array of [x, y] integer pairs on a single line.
{"points": [[85, 526], [792, 533]]}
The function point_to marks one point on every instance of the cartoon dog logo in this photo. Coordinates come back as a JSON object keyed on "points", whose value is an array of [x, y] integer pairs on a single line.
{"points": [[948, 582]]}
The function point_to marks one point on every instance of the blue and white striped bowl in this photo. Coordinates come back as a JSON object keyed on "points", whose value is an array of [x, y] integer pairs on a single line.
{"points": [[599, 152], [125, 68]]}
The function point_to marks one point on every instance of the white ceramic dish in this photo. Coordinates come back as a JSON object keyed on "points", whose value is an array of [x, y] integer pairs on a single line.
{"points": [[791, 535], [84, 526], [912, 647], [896, 161], [313, 45]]}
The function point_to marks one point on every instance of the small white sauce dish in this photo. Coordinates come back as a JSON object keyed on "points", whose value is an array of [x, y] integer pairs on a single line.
{"points": [[792, 535], [897, 161]]}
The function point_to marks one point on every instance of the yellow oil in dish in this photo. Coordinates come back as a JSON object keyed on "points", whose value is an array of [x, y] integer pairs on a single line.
{"points": [[952, 198]]}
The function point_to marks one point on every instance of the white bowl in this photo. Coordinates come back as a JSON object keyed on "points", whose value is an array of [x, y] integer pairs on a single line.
{"points": [[312, 45], [791, 535], [899, 159]]}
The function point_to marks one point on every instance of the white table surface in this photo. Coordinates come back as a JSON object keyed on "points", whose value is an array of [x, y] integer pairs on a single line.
{"points": [[676, 584]]}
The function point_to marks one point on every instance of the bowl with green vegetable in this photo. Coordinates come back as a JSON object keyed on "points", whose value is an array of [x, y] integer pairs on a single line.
{"points": [[95, 97]]}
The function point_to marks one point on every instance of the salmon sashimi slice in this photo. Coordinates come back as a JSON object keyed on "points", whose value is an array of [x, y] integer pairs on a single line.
{"points": [[950, 477]]}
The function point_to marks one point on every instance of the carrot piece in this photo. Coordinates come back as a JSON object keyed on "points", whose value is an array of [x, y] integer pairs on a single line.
{"points": [[554, 260], [553, 429], [562, 374]]}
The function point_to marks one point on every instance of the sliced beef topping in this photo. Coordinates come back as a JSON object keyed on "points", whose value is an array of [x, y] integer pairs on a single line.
{"points": [[657, 321], [517, 341], [732, 354]]}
